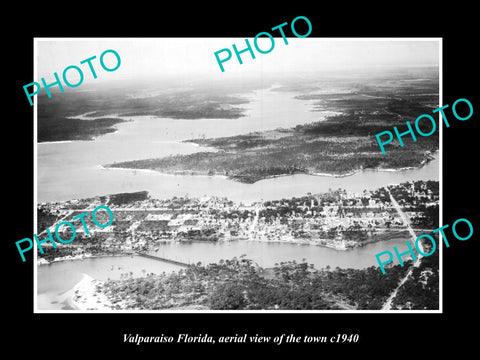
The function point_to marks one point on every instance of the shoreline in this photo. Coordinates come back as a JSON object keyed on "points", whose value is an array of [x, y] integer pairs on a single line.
{"points": [[179, 173], [42, 261], [428, 158], [62, 141], [378, 237], [91, 139], [303, 242], [205, 174], [84, 295]]}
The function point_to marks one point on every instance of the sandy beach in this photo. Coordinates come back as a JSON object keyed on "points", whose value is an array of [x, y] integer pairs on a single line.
{"points": [[84, 296]]}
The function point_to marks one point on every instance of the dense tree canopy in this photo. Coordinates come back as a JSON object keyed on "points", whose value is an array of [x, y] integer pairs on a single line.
{"points": [[238, 284]]}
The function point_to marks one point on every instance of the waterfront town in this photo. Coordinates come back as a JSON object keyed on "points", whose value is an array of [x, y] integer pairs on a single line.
{"points": [[334, 219]]}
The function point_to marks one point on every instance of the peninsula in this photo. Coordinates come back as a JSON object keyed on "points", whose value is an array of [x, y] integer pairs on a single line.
{"points": [[83, 115], [335, 219], [338, 145]]}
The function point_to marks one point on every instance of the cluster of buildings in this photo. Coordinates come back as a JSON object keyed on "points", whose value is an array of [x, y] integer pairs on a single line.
{"points": [[335, 219]]}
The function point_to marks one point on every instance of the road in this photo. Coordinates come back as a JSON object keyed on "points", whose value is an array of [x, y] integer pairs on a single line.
{"points": [[254, 222], [388, 304]]}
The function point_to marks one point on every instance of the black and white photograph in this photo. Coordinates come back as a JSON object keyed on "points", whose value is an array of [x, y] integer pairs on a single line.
{"points": [[260, 187], [226, 180]]}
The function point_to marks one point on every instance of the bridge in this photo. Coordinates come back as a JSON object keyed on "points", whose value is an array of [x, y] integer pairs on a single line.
{"points": [[159, 258]]}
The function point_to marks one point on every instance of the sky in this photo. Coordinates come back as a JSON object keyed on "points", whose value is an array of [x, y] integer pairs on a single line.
{"points": [[187, 57]]}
